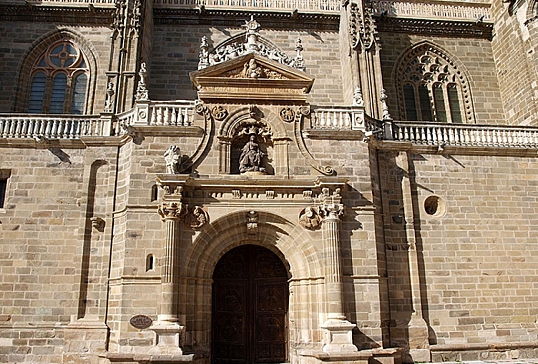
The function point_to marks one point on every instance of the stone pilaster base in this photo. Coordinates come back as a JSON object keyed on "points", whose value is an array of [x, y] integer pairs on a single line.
{"points": [[419, 346], [82, 337], [167, 338], [338, 336]]}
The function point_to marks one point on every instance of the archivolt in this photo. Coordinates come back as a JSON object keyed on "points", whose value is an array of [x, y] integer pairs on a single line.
{"points": [[289, 241]]}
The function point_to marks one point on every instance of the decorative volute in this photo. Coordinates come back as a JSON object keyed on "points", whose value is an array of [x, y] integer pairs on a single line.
{"points": [[258, 77]]}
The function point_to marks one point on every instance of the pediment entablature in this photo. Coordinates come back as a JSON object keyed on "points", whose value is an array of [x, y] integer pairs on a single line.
{"points": [[252, 77]]}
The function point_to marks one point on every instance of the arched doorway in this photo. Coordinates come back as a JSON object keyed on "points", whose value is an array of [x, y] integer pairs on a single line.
{"points": [[250, 306]]}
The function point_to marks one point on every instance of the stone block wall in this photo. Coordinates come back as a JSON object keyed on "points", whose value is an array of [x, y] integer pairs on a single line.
{"points": [[476, 254]]}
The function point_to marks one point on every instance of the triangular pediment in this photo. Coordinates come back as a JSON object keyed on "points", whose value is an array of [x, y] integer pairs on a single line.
{"points": [[254, 77]]}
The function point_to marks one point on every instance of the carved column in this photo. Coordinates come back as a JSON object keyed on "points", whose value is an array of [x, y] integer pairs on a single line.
{"points": [[167, 329], [338, 330]]}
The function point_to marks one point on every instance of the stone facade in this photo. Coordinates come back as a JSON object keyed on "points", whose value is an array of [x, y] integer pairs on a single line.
{"points": [[310, 182]]}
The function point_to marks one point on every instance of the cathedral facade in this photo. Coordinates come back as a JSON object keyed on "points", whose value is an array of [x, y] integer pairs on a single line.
{"points": [[268, 181]]}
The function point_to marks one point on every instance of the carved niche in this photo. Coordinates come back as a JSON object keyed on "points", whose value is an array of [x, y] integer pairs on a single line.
{"points": [[251, 148]]}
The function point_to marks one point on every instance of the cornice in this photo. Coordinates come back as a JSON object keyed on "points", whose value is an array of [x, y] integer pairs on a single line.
{"points": [[435, 27], [232, 17], [57, 14]]}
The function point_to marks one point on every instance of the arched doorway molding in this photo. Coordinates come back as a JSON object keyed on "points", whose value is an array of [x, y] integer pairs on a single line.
{"points": [[267, 116], [291, 242], [299, 253]]}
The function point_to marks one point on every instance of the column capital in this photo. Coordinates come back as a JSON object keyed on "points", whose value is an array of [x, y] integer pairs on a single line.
{"points": [[331, 211], [172, 210]]}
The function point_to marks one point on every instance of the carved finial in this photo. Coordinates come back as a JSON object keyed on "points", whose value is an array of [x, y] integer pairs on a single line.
{"points": [[384, 107], [109, 101], [299, 61], [252, 27], [141, 90], [171, 157], [357, 97], [203, 61]]}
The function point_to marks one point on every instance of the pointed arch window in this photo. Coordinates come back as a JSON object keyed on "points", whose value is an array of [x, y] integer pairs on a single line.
{"points": [[59, 81], [431, 88]]}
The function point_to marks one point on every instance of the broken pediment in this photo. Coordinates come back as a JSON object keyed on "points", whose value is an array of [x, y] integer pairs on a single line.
{"points": [[252, 77]]}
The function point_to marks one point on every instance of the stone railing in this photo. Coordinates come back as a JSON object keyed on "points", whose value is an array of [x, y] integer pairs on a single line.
{"points": [[465, 135], [52, 127], [433, 10], [78, 3], [338, 118], [323, 6]]}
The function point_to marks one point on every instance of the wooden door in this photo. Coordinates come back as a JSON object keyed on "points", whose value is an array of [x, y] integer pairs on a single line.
{"points": [[250, 304]]}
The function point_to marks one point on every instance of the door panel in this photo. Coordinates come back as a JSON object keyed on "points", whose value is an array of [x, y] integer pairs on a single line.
{"points": [[250, 303]]}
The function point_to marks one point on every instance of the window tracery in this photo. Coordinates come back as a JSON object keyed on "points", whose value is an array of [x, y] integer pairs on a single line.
{"points": [[59, 80], [432, 88]]}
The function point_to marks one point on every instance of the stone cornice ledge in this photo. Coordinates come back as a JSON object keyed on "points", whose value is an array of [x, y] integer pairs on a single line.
{"points": [[344, 356], [245, 182], [455, 149]]}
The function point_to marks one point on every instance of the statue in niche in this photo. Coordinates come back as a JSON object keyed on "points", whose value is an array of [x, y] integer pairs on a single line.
{"points": [[251, 159], [171, 158]]}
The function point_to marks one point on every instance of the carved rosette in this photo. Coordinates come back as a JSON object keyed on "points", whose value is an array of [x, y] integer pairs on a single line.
{"points": [[310, 219], [172, 210], [287, 114], [219, 113], [197, 218]]}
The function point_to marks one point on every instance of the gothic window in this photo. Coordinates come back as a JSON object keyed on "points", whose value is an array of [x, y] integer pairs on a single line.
{"points": [[59, 81], [431, 88]]}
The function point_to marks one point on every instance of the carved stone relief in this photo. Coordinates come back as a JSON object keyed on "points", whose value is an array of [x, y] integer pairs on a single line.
{"points": [[197, 218]]}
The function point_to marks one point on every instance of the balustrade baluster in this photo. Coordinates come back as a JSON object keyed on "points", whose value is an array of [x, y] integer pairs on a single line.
{"points": [[153, 114], [334, 119], [18, 128], [25, 125]]}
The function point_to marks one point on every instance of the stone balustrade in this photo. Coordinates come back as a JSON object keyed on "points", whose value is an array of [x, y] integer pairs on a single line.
{"points": [[176, 113], [68, 3], [52, 127], [324, 6], [340, 118], [434, 10], [465, 135], [337, 118]]}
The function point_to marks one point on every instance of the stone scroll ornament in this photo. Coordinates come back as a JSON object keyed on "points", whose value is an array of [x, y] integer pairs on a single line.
{"points": [[297, 128], [197, 218], [309, 218]]}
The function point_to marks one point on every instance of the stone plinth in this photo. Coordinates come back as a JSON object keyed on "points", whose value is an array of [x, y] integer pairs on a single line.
{"points": [[167, 338], [339, 337]]}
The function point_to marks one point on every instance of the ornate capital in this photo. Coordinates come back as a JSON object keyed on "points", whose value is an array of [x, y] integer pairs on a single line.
{"points": [[331, 211], [172, 210]]}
